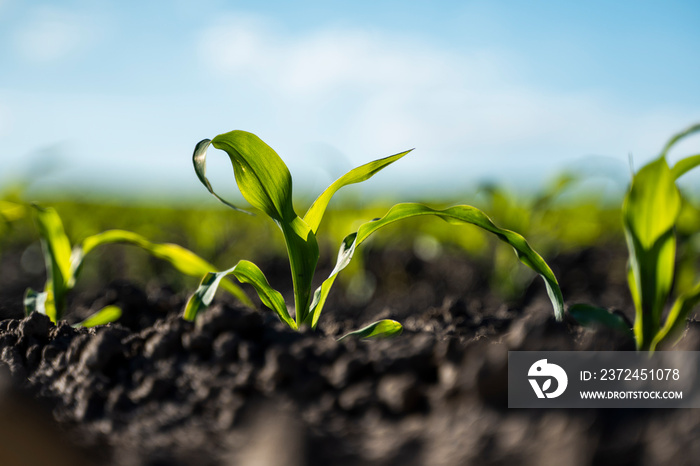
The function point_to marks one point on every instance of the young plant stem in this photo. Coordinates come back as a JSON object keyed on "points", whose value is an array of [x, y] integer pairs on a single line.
{"points": [[303, 256]]}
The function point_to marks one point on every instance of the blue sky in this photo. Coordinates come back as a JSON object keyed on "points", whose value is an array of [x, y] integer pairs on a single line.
{"points": [[116, 94]]}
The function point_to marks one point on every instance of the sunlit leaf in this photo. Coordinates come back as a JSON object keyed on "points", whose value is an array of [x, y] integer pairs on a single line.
{"points": [[104, 316], [261, 175], [184, 260], [458, 215], [57, 256], [245, 272], [652, 204], [381, 329], [676, 320], [364, 172], [679, 136], [683, 166]]}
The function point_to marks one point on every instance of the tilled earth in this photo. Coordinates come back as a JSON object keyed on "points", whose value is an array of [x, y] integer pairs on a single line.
{"points": [[239, 388]]}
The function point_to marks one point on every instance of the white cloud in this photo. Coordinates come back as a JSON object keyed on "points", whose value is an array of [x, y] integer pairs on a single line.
{"points": [[391, 92], [326, 61], [51, 34]]}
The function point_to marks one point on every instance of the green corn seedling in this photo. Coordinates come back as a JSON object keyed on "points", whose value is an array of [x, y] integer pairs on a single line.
{"points": [[650, 212], [63, 265], [265, 182]]}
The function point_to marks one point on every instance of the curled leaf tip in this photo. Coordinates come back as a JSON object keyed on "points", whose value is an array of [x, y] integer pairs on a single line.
{"points": [[199, 160]]}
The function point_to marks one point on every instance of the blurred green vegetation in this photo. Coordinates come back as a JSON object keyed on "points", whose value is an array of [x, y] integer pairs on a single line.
{"points": [[220, 236], [553, 222]]}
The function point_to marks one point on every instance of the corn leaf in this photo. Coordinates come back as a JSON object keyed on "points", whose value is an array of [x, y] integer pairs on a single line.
{"points": [[364, 172], [652, 204], [676, 319], [650, 277], [347, 250], [593, 316], [458, 215], [104, 316], [184, 260], [261, 175], [683, 166], [57, 256], [56, 242], [199, 159], [650, 211], [381, 329], [35, 301], [677, 137], [245, 272]]}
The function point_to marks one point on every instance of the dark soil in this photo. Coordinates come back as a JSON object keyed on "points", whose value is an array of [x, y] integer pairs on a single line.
{"points": [[238, 387]]}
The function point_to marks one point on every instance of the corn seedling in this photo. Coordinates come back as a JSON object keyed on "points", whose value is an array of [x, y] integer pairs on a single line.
{"points": [[265, 182], [650, 213], [63, 265]]}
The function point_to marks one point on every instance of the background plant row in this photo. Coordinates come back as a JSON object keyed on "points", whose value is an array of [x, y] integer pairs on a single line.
{"points": [[558, 225]]}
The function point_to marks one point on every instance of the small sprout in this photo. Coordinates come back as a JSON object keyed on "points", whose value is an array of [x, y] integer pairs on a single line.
{"points": [[650, 213], [265, 182], [103, 316], [63, 265], [381, 329]]}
